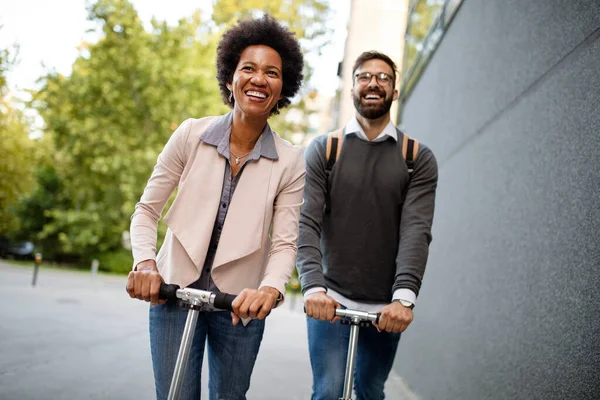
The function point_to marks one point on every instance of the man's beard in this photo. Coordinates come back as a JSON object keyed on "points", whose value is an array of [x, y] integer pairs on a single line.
{"points": [[373, 111]]}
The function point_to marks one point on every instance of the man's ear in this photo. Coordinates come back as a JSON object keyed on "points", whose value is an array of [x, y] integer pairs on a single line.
{"points": [[395, 96]]}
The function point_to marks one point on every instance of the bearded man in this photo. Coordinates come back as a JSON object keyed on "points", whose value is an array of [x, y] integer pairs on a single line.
{"points": [[365, 230]]}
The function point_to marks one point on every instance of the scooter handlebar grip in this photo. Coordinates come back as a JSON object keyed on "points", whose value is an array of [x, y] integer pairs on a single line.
{"points": [[223, 301], [168, 291]]}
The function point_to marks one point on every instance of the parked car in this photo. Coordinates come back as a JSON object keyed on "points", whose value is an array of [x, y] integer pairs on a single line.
{"points": [[20, 250]]}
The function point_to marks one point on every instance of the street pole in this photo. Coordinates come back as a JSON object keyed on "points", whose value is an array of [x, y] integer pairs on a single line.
{"points": [[36, 266], [94, 267]]}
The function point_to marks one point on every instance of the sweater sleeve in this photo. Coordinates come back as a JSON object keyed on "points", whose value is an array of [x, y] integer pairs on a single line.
{"points": [[310, 269], [415, 226]]}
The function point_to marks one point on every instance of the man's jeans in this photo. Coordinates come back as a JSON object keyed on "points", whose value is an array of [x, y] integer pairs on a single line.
{"points": [[232, 351], [328, 347]]}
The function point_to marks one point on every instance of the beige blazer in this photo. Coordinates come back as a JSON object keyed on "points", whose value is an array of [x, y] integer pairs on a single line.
{"points": [[258, 244]]}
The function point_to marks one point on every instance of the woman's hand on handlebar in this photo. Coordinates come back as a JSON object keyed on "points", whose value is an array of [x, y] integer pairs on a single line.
{"points": [[144, 282], [252, 303]]}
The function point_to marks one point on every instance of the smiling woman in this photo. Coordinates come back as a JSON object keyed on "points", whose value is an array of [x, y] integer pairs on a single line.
{"points": [[233, 226]]}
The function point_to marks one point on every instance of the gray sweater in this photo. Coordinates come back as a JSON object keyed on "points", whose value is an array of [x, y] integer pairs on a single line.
{"points": [[376, 238]]}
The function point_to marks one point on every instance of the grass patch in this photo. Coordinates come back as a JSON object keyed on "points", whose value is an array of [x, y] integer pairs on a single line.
{"points": [[114, 263]]}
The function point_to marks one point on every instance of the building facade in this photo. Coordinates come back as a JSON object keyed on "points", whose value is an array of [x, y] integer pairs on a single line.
{"points": [[507, 95]]}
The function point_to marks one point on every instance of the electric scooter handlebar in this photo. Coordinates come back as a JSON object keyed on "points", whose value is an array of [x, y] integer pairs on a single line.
{"points": [[223, 301], [218, 300], [361, 315], [168, 291]]}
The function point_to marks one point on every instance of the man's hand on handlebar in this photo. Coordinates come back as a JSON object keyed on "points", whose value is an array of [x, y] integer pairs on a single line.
{"points": [[144, 282], [321, 306], [394, 318]]}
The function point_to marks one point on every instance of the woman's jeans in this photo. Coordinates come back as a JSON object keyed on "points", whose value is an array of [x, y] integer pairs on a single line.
{"points": [[328, 347], [232, 351]]}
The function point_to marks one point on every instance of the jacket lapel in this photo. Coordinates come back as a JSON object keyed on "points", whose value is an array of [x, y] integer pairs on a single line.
{"points": [[244, 224], [193, 213]]}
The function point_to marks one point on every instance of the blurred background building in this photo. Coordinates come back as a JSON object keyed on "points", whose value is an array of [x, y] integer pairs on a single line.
{"points": [[506, 93]]}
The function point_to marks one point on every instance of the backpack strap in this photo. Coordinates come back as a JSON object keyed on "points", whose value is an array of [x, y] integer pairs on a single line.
{"points": [[334, 147], [332, 153], [410, 149]]}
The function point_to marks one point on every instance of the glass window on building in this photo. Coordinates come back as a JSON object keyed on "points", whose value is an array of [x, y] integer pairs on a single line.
{"points": [[425, 27]]}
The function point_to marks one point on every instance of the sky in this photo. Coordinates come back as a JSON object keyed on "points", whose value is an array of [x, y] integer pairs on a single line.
{"points": [[48, 33]]}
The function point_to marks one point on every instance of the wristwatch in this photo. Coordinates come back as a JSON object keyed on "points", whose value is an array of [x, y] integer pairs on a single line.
{"points": [[405, 303]]}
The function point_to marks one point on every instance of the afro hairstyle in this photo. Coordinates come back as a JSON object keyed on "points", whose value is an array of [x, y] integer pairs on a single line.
{"points": [[261, 31]]}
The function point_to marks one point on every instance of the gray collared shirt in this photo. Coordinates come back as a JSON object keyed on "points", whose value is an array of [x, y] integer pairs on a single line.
{"points": [[218, 135]]}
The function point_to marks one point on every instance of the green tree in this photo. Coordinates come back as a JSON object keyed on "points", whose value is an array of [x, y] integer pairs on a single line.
{"points": [[306, 18], [16, 161], [110, 118], [33, 210]]}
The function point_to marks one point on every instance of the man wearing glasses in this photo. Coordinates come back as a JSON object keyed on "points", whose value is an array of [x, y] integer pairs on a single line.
{"points": [[365, 230]]}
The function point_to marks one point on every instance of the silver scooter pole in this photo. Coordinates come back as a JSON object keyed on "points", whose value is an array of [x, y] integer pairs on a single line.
{"points": [[196, 300], [356, 319]]}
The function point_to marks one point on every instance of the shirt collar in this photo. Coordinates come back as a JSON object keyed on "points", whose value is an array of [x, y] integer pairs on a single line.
{"points": [[354, 127], [218, 134]]}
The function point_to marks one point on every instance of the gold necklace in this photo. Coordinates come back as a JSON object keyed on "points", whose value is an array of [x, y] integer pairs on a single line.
{"points": [[237, 159]]}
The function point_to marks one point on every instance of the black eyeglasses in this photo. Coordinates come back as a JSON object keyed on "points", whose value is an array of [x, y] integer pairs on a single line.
{"points": [[365, 77]]}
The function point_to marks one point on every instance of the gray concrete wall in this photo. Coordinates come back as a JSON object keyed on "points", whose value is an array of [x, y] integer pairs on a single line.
{"points": [[510, 104]]}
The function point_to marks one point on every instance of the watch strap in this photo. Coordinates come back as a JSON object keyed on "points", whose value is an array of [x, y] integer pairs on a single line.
{"points": [[405, 303]]}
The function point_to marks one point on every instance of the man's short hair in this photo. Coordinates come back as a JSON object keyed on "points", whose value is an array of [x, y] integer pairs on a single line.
{"points": [[374, 55]]}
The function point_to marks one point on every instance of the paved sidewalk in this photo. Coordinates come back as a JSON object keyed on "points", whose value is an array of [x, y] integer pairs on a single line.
{"points": [[78, 337]]}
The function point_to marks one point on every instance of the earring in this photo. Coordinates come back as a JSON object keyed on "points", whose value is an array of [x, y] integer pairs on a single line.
{"points": [[277, 106], [230, 96]]}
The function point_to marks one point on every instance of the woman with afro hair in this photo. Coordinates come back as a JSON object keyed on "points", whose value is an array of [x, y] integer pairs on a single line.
{"points": [[233, 226]]}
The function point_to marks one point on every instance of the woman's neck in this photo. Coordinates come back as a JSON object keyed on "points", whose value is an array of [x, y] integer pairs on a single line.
{"points": [[246, 130]]}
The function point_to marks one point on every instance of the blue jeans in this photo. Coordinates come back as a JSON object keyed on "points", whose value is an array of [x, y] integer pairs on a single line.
{"points": [[328, 347], [232, 351]]}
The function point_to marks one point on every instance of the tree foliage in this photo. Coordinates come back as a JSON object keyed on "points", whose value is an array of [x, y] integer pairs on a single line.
{"points": [[303, 17], [16, 161], [110, 118]]}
